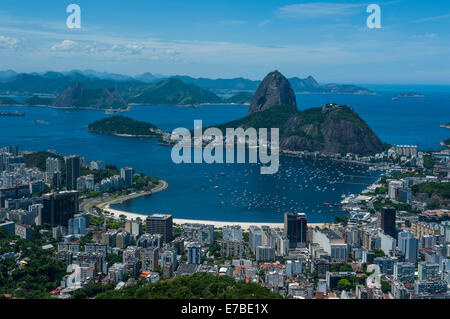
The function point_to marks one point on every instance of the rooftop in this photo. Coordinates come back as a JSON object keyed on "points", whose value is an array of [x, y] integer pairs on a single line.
{"points": [[187, 269]]}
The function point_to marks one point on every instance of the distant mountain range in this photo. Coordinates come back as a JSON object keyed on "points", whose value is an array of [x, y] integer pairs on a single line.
{"points": [[4, 75], [105, 94], [56, 82], [108, 90], [174, 92], [6, 101], [308, 85]]}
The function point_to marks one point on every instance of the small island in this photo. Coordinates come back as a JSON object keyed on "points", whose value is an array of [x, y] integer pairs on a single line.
{"points": [[446, 125], [124, 126], [408, 95]]}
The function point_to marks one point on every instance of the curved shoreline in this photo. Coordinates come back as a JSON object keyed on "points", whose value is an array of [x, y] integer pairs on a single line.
{"points": [[217, 224], [105, 206], [115, 213], [123, 135]]}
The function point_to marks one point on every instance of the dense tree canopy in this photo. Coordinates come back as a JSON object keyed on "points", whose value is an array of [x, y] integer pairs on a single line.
{"points": [[344, 284], [197, 286], [34, 279]]}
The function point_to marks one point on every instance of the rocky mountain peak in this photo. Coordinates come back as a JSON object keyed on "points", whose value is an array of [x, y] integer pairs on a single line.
{"points": [[274, 90]]}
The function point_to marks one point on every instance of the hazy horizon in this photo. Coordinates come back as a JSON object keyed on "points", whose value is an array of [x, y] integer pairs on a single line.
{"points": [[227, 39]]}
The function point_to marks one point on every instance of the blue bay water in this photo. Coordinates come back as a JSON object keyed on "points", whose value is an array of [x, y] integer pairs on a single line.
{"points": [[232, 192]]}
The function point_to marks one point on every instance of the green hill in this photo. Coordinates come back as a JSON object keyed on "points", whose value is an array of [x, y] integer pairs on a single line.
{"points": [[197, 286], [240, 98], [122, 125], [439, 189], [332, 129], [38, 160], [79, 96], [435, 195], [5, 101], [273, 117], [174, 92], [38, 101]]}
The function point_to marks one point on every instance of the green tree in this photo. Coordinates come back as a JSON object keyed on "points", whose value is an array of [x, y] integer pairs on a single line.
{"points": [[385, 286], [344, 284], [111, 259], [197, 286], [379, 253]]}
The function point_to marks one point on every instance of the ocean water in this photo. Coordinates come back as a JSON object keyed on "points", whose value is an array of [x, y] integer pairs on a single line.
{"points": [[232, 192]]}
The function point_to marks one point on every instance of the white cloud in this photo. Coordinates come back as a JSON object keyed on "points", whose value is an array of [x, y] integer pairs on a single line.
{"points": [[8, 42], [128, 49], [315, 10], [65, 46], [232, 22], [118, 48], [80, 47], [425, 36], [445, 16], [264, 23]]}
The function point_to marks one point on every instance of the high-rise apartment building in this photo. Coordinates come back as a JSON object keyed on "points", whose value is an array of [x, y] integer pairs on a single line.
{"points": [[160, 224], [59, 208], [72, 171], [388, 221], [194, 253], [126, 174], [295, 228]]}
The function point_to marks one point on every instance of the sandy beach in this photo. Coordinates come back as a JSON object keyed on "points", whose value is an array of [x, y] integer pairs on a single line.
{"points": [[115, 213], [217, 224]]}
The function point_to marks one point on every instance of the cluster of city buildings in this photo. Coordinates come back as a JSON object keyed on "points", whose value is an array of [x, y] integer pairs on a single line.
{"points": [[295, 261], [75, 181], [387, 255], [23, 198]]}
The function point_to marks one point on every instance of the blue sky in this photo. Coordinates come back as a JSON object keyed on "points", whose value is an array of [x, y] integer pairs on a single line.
{"points": [[229, 38]]}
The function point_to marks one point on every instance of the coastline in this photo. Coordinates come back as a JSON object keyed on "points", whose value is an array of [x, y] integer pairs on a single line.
{"points": [[124, 135], [119, 110], [115, 213], [187, 105], [105, 205], [217, 224]]}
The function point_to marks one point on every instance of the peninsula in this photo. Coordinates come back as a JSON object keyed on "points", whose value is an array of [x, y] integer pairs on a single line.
{"points": [[332, 128]]}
